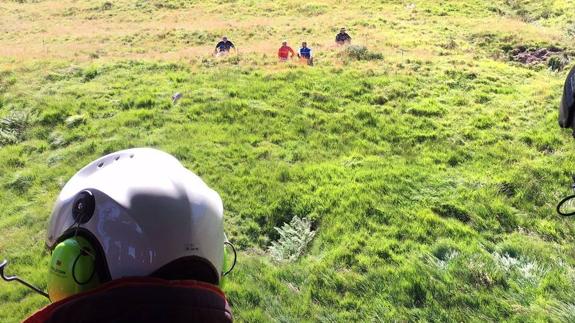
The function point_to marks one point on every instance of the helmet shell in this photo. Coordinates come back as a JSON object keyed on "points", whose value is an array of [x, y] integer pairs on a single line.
{"points": [[149, 210]]}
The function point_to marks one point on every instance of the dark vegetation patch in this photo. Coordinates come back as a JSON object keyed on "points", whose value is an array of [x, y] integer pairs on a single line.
{"points": [[444, 250], [511, 48], [554, 57], [494, 42], [7, 79], [526, 55], [90, 73], [107, 5], [13, 127], [426, 108], [150, 5], [459, 157], [20, 183], [507, 188], [52, 116], [452, 211]]}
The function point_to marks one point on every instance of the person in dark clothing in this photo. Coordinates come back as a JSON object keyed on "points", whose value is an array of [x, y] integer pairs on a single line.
{"points": [[305, 53], [343, 38], [224, 46]]}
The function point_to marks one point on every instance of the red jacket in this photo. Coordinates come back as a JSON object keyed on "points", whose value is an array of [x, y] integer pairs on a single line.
{"points": [[284, 52], [142, 300]]}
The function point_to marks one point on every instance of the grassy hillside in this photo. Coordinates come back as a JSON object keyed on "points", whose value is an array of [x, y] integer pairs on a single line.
{"points": [[429, 173]]}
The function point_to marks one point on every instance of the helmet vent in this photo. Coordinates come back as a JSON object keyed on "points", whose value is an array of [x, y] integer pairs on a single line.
{"points": [[117, 158], [132, 156], [100, 165]]}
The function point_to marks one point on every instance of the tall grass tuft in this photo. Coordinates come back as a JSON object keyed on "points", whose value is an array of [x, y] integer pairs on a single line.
{"points": [[564, 311]]}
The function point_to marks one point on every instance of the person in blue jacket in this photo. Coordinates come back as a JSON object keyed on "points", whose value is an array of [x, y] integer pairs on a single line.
{"points": [[305, 53]]}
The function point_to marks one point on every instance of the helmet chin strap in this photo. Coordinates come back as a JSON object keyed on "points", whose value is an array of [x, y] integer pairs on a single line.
{"points": [[235, 257], [3, 265]]}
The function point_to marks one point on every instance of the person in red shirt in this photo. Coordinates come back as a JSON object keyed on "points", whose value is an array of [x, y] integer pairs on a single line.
{"points": [[285, 52]]}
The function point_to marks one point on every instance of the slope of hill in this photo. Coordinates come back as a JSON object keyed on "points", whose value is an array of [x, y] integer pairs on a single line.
{"points": [[429, 170]]}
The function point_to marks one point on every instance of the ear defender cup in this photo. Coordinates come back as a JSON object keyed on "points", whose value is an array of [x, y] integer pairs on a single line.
{"points": [[72, 269]]}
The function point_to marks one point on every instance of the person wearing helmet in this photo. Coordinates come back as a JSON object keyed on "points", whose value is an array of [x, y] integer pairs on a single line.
{"points": [[285, 52], [136, 237]]}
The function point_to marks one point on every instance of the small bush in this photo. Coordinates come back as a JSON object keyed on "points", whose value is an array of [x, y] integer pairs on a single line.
{"points": [[520, 268], [451, 44], [13, 127], [7, 138], [557, 63], [16, 162], [315, 96], [57, 140], [235, 60], [452, 211], [313, 9], [360, 53], [91, 73], [126, 103], [571, 30], [106, 6], [75, 120], [379, 100], [294, 238], [171, 4], [144, 102], [52, 117], [7, 79], [21, 183]]}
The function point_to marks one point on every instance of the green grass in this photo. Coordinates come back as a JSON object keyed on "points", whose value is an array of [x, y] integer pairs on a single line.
{"points": [[430, 177]]}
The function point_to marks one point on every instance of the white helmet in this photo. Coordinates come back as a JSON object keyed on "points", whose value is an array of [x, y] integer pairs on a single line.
{"points": [[148, 215]]}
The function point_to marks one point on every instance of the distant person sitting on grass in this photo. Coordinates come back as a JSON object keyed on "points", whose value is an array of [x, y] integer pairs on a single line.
{"points": [[343, 38], [224, 47], [305, 54], [285, 52]]}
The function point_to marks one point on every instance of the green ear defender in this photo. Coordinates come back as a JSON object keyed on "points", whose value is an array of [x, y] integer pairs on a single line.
{"points": [[72, 269]]}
